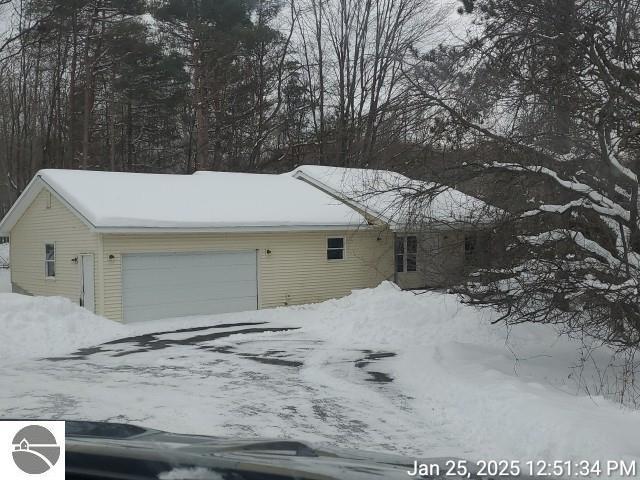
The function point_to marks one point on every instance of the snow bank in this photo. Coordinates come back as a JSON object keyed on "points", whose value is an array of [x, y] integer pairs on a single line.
{"points": [[504, 393], [35, 327], [461, 385]]}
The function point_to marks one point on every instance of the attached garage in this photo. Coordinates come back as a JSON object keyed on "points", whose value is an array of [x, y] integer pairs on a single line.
{"points": [[141, 247], [179, 284]]}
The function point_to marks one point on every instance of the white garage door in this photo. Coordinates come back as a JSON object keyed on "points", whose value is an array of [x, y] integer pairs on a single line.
{"points": [[179, 284]]}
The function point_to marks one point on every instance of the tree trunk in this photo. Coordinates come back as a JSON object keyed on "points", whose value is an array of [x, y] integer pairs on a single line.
{"points": [[129, 138], [70, 161], [200, 107]]}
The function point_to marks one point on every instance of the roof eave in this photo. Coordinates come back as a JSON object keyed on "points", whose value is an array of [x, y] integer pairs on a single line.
{"points": [[441, 225], [342, 197], [20, 206], [121, 230]]}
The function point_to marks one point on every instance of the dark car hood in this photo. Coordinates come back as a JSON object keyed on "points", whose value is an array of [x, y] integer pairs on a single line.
{"points": [[87, 441]]}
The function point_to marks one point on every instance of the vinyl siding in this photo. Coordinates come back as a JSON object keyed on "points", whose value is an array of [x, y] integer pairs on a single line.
{"points": [[57, 224], [296, 270]]}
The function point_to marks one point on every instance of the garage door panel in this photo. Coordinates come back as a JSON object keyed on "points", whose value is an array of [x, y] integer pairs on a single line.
{"points": [[154, 312], [147, 261], [166, 276], [178, 284], [195, 293], [186, 304]]}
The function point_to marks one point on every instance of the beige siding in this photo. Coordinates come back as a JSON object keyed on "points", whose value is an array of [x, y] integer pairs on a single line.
{"points": [[57, 224], [295, 271]]}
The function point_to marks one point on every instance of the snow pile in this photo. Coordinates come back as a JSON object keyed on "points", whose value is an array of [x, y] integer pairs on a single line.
{"points": [[504, 393], [387, 317], [458, 386], [35, 327]]}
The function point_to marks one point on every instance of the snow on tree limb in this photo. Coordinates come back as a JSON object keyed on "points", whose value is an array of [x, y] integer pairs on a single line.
{"points": [[576, 237], [604, 205]]}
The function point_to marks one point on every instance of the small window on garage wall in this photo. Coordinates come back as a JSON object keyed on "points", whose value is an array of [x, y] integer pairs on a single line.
{"points": [[335, 248], [50, 260]]}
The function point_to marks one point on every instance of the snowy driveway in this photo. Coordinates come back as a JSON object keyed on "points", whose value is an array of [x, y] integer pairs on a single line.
{"points": [[380, 370], [245, 379]]}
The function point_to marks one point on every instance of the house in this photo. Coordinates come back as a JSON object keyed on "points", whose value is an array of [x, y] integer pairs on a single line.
{"points": [[436, 228], [135, 247], [142, 246]]}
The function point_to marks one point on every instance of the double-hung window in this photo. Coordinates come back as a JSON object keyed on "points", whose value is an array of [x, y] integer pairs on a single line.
{"points": [[406, 253], [50, 260], [335, 248]]}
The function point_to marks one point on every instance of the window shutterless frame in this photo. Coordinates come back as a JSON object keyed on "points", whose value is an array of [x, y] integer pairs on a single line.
{"points": [[50, 260], [336, 248], [406, 253], [412, 253]]}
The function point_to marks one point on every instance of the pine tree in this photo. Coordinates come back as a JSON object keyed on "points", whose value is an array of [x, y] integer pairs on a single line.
{"points": [[210, 32], [553, 86]]}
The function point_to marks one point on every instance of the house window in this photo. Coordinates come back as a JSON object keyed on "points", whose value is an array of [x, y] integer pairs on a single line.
{"points": [[406, 253], [48, 200], [50, 260], [470, 242], [335, 248], [412, 253]]}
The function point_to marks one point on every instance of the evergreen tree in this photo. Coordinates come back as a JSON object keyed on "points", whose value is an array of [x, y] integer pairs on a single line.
{"points": [[553, 85], [208, 32]]}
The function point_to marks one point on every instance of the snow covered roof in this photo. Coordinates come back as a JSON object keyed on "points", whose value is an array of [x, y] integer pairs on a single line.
{"points": [[114, 201], [394, 198]]}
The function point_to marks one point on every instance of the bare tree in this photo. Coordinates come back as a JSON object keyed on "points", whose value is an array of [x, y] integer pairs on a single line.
{"points": [[351, 53], [554, 86]]}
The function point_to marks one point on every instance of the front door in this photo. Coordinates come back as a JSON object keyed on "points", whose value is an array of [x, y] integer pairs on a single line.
{"points": [[87, 291]]}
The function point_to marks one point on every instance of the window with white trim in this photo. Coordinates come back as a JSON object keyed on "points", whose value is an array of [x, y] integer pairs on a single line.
{"points": [[406, 249], [50, 260], [335, 248]]}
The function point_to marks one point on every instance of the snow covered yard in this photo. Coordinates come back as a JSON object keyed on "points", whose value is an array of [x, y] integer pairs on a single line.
{"points": [[381, 369]]}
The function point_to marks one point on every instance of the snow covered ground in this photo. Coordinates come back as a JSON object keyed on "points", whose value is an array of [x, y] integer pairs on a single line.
{"points": [[35, 325], [381, 370]]}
